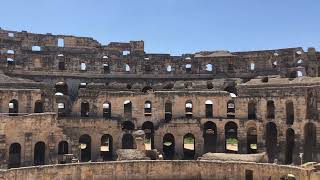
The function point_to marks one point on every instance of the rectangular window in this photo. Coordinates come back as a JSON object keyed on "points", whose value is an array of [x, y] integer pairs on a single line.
{"points": [[60, 42]]}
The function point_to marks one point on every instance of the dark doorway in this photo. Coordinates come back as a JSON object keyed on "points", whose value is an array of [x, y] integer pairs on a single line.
{"points": [[106, 149], [85, 148], [148, 129], [252, 110], [210, 137], [168, 146], [13, 107], [39, 153], [271, 141], [127, 141], [14, 155], [189, 149], [310, 141], [231, 137], [168, 111], [209, 109], [127, 105], [289, 113], [84, 109], [289, 146], [252, 146], [38, 107], [270, 110]]}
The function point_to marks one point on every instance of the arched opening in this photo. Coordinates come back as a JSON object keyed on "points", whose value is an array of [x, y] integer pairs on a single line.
{"points": [[63, 149], [209, 67], [231, 137], [252, 110], [85, 148], [188, 109], [270, 109], [299, 73], [83, 66], [168, 146], [127, 105], [231, 109], [38, 107], [289, 146], [188, 68], [310, 141], [189, 149], [252, 66], [127, 68], [61, 110], [271, 141], [13, 107], [147, 108], [127, 141], [148, 129], [289, 113], [106, 149], [106, 68], [14, 155], [209, 108], [169, 68], [168, 111], [127, 126], [61, 87], [39, 153], [84, 109], [252, 140], [210, 137], [106, 110]]}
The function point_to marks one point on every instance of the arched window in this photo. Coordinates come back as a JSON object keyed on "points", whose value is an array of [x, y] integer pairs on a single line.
{"points": [[252, 66], [106, 68], [168, 146], [168, 111], [106, 110], [127, 67], [147, 108], [270, 109], [188, 109], [188, 68], [85, 148], [39, 153], [209, 67], [230, 109], [14, 155], [84, 109], [209, 108], [289, 146], [210, 137], [274, 64], [106, 149], [61, 110], [289, 113], [231, 137], [38, 107], [169, 68], [252, 140], [148, 129], [252, 110], [189, 149], [127, 105], [13, 107]]}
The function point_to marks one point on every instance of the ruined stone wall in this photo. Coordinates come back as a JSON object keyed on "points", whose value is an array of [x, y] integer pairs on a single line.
{"points": [[214, 170]]}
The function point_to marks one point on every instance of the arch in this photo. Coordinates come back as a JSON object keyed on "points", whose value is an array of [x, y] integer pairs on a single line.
{"points": [[189, 149], [13, 107], [106, 149], [231, 137], [209, 67], [148, 129], [210, 137], [289, 113], [127, 67], [147, 108], [168, 111], [106, 110], [271, 141], [63, 147], [85, 148], [38, 107], [169, 68], [168, 146], [252, 110], [127, 126], [209, 108], [39, 153], [106, 68], [252, 142], [230, 109], [61, 87], [14, 155], [85, 109], [289, 146], [270, 109], [127, 141], [310, 142], [127, 106], [188, 68], [188, 109]]}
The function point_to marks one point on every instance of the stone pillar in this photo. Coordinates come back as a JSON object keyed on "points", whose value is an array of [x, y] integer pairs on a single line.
{"points": [[3, 151], [28, 155]]}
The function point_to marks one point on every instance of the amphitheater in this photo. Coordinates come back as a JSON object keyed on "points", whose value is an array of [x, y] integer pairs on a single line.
{"points": [[72, 108]]}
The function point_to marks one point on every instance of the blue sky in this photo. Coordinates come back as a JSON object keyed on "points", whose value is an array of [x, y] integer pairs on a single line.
{"points": [[173, 26]]}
